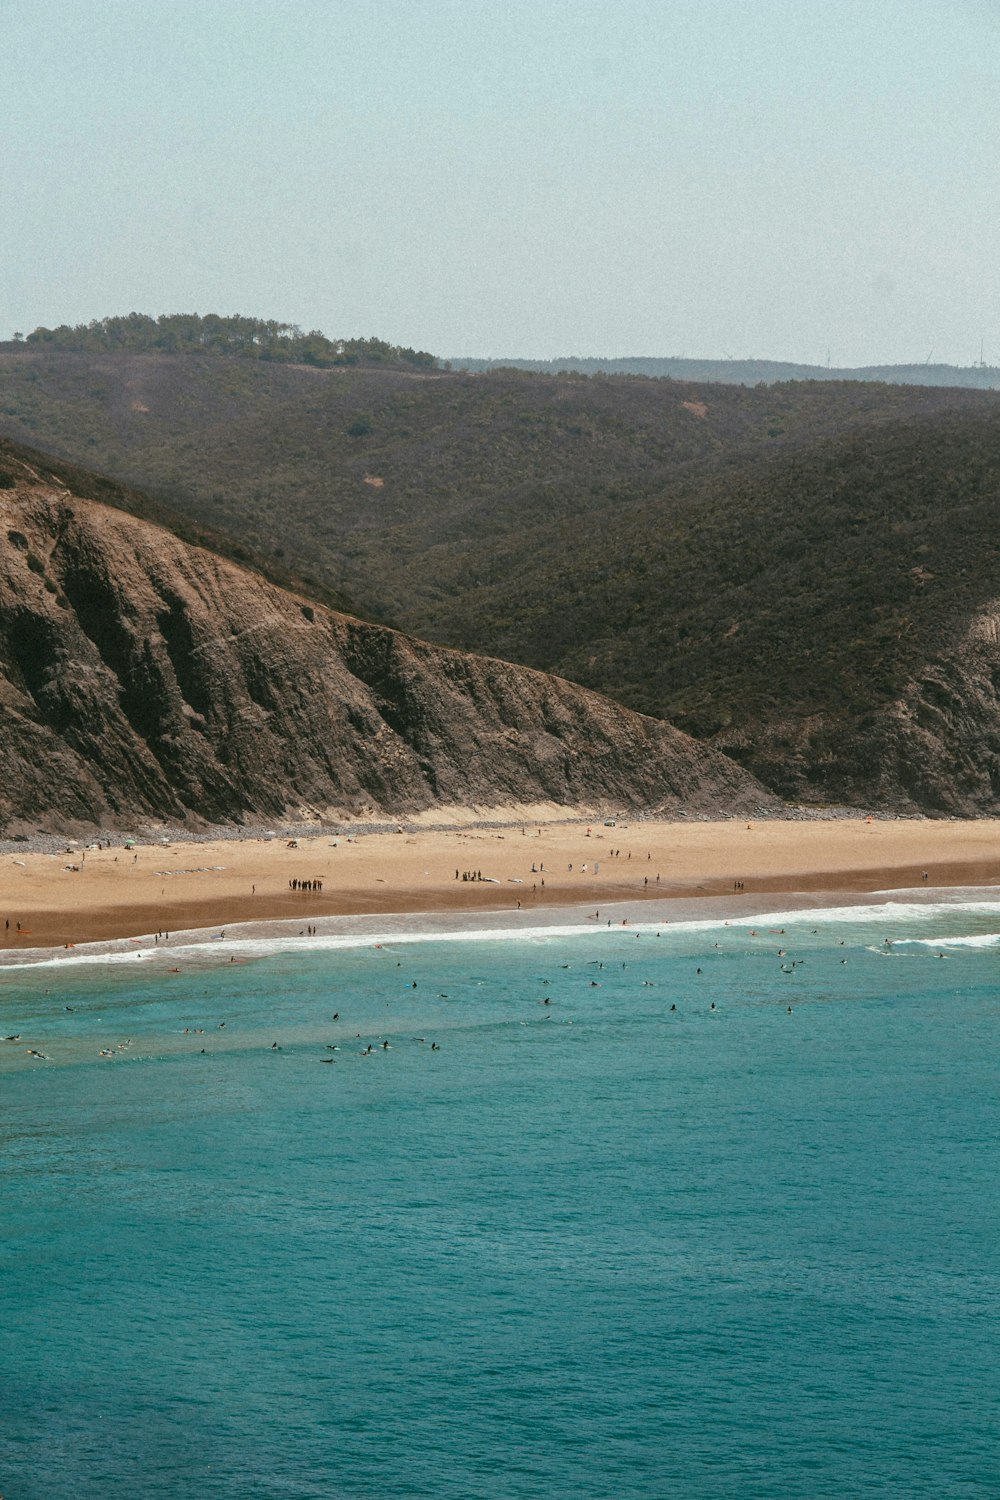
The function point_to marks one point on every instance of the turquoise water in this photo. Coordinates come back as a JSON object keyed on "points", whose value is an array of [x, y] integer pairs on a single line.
{"points": [[595, 1248]]}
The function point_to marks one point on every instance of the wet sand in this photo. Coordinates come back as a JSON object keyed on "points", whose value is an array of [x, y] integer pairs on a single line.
{"points": [[115, 893]]}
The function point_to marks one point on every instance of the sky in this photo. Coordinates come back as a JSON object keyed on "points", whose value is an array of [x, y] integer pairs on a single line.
{"points": [[782, 179]]}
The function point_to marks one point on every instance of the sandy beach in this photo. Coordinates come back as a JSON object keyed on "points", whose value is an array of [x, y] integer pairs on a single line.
{"points": [[86, 894]]}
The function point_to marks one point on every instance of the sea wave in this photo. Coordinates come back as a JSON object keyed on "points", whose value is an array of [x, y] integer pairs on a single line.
{"points": [[248, 942], [976, 940]]}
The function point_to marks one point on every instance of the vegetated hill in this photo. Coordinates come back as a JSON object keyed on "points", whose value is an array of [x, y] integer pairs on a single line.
{"points": [[772, 568], [351, 476], [142, 677], [90, 486], [747, 371], [246, 338], [830, 618]]}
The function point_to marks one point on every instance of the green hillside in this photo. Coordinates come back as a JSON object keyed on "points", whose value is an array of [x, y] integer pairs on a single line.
{"points": [[743, 562], [981, 377], [93, 486], [351, 475], [245, 338], [810, 583]]}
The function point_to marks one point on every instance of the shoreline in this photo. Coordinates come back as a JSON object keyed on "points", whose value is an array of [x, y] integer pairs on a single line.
{"points": [[243, 943], [113, 895]]}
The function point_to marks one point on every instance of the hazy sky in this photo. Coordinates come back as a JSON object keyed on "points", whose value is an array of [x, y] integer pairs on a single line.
{"points": [[770, 178]]}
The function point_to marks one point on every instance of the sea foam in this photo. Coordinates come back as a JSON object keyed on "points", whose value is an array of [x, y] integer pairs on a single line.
{"points": [[248, 942]]}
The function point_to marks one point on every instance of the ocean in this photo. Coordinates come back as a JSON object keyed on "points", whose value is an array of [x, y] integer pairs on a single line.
{"points": [[693, 1209]]}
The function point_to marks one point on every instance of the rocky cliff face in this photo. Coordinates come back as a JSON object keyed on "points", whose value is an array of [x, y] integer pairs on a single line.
{"points": [[941, 739], [934, 750], [144, 678]]}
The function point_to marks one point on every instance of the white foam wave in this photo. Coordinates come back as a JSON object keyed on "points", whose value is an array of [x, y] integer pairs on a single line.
{"points": [[978, 940], [239, 947], [240, 943], [881, 911]]}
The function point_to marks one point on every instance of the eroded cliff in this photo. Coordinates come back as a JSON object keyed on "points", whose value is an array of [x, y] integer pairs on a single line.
{"points": [[144, 678], [933, 750]]}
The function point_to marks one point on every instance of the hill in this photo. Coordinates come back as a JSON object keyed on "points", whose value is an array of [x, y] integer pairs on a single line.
{"points": [[746, 371], [776, 570], [142, 678], [353, 478], [829, 618], [236, 336]]}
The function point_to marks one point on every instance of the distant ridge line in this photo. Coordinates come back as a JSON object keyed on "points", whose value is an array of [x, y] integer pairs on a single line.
{"points": [[745, 371]]}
